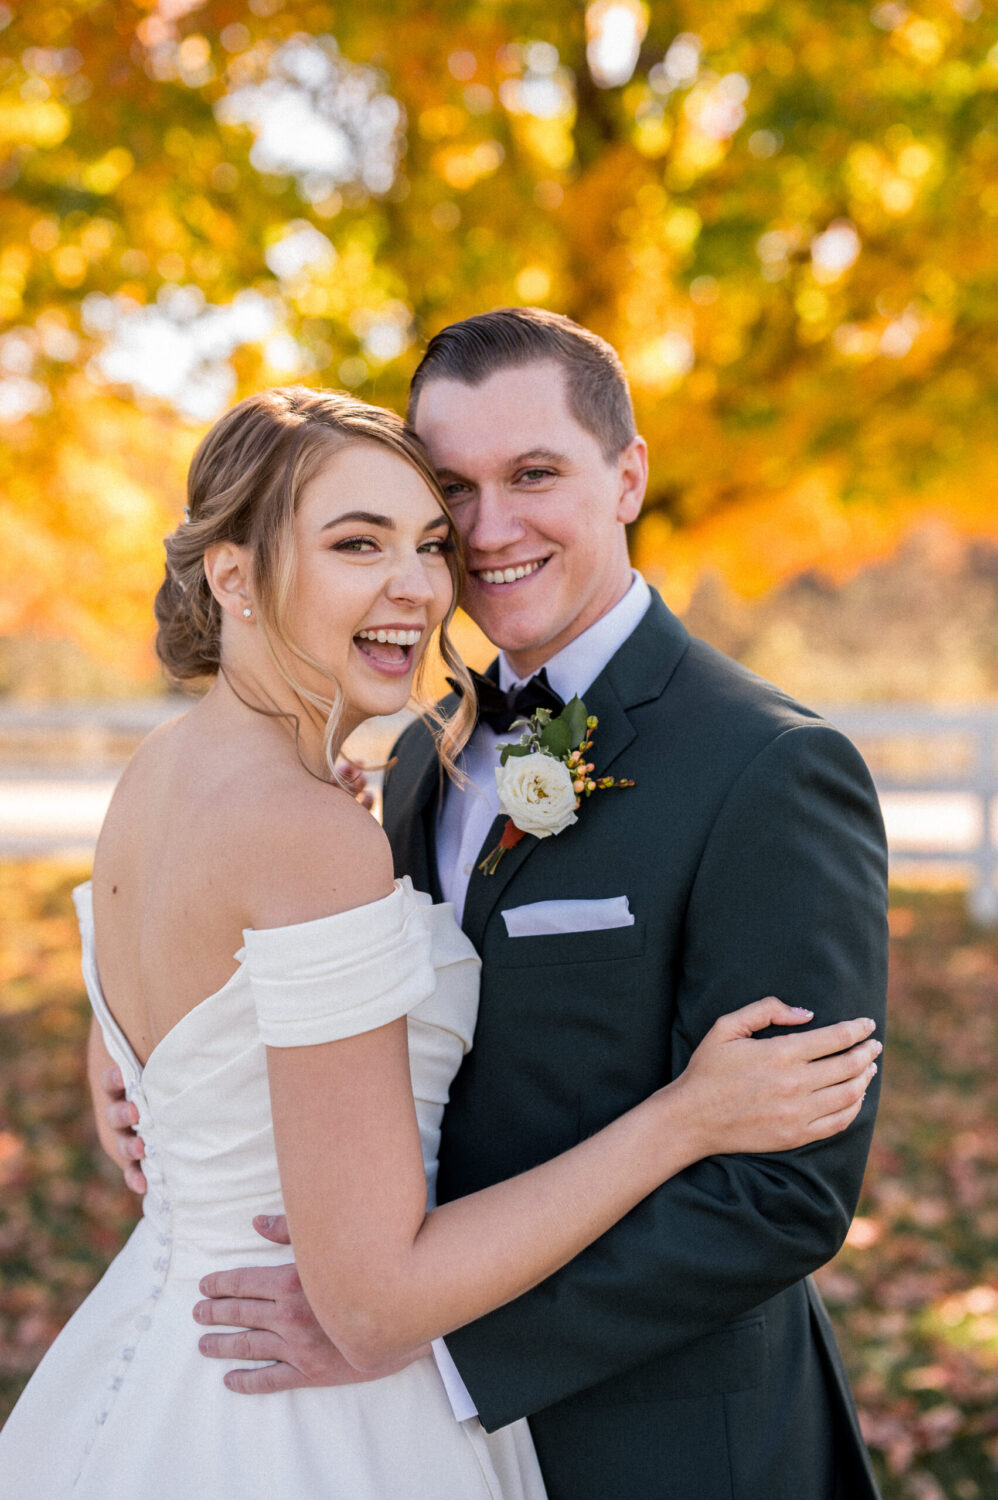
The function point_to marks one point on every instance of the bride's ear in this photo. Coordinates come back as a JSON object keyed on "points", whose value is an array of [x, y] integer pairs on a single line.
{"points": [[227, 570]]}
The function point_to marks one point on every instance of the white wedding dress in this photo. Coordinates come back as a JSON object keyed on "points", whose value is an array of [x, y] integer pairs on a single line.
{"points": [[123, 1406]]}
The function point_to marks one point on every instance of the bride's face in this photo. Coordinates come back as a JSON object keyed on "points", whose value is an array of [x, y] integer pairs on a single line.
{"points": [[372, 577]]}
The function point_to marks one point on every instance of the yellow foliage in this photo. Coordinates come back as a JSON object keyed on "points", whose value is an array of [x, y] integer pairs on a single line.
{"points": [[107, 174], [801, 408], [462, 166], [44, 123]]}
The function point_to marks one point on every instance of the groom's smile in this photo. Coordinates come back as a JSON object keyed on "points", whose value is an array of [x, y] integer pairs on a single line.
{"points": [[539, 507], [511, 573]]}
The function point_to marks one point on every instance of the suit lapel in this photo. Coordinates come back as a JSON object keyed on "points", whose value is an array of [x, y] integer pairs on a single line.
{"points": [[484, 890], [412, 790], [639, 672]]}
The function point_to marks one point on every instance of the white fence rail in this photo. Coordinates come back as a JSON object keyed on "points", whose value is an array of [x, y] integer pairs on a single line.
{"points": [[936, 771]]}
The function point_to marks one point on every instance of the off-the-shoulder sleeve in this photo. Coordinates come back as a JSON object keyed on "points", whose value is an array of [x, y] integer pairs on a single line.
{"points": [[340, 975]]}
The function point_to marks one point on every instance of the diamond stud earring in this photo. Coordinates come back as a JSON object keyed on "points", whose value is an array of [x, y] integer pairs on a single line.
{"points": [[247, 613]]}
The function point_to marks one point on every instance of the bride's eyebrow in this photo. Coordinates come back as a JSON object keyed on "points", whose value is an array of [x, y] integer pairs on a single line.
{"points": [[365, 517], [371, 518]]}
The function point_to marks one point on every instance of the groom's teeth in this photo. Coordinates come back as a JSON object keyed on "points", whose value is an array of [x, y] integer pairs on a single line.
{"points": [[508, 575]]}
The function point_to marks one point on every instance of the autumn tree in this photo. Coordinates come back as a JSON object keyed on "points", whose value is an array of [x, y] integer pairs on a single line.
{"points": [[782, 212]]}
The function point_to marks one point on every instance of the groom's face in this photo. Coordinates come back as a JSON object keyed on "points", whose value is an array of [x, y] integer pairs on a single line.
{"points": [[540, 510]]}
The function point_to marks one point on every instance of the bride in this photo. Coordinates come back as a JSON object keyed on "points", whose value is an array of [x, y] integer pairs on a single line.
{"points": [[288, 1019]]}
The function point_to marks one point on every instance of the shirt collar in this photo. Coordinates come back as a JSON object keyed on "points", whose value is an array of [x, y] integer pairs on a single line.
{"points": [[576, 666]]}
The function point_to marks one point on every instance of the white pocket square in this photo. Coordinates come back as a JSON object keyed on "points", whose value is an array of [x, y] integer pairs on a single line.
{"points": [[544, 918]]}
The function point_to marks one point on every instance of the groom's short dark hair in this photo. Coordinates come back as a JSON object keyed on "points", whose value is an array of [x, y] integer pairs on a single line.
{"points": [[595, 382]]}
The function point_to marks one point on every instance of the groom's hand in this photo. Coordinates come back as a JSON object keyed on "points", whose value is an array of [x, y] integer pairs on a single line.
{"points": [[114, 1116], [275, 1323]]}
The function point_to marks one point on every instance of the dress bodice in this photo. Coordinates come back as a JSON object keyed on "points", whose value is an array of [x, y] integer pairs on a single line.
{"points": [[123, 1403], [202, 1096]]}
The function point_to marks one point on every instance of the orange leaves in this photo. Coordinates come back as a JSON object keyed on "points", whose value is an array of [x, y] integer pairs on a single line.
{"points": [[61, 1215], [782, 215], [914, 1292]]}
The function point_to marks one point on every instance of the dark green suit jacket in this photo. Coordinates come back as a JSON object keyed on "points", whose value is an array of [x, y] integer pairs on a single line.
{"points": [[684, 1354]]}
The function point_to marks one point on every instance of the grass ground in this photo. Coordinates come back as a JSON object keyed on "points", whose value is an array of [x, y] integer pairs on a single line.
{"points": [[913, 1294]]}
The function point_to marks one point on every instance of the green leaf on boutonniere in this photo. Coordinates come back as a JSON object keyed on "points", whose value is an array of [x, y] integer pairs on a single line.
{"points": [[574, 717], [555, 738], [508, 750], [559, 736]]}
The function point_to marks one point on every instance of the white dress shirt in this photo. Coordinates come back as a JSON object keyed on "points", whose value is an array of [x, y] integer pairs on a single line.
{"points": [[467, 814]]}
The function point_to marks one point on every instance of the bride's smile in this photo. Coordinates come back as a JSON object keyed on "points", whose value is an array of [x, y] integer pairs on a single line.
{"points": [[369, 580], [373, 583]]}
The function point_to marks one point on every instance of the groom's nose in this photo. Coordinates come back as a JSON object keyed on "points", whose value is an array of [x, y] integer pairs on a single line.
{"points": [[494, 523]]}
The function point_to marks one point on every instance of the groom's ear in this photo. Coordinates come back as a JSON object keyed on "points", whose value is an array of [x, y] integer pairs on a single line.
{"points": [[632, 468], [227, 570]]}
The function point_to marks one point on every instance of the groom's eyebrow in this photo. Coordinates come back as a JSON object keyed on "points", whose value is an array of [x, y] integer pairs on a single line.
{"points": [[371, 518], [544, 455], [532, 455]]}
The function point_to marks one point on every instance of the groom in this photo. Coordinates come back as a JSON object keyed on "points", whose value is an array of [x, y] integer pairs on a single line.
{"points": [[685, 1354]]}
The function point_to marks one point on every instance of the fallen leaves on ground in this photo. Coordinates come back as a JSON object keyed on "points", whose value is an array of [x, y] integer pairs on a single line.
{"points": [[913, 1294]]}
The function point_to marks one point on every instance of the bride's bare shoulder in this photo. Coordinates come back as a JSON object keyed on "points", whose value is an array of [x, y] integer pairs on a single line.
{"points": [[251, 830], [307, 850]]}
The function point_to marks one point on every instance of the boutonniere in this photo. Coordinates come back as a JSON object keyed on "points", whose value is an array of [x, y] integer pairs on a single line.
{"points": [[543, 779]]}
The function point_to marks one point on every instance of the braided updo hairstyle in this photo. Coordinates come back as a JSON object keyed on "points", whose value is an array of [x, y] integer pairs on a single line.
{"points": [[244, 486]]}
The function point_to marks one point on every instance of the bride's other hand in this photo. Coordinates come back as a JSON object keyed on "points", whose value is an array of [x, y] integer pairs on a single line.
{"points": [[353, 778], [275, 1323], [752, 1094]]}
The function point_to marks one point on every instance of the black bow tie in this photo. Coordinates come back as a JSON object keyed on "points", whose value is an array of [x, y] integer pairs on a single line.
{"points": [[499, 709]]}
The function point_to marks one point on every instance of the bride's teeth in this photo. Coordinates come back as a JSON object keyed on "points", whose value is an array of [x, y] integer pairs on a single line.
{"points": [[391, 637]]}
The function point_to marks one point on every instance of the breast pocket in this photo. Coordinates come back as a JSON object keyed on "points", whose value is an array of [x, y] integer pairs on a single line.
{"points": [[607, 945]]}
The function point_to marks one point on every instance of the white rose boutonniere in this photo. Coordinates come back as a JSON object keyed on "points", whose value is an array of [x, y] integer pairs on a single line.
{"points": [[536, 791], [543, 779]]}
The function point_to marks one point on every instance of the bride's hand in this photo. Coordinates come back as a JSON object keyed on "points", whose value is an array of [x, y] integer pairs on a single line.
{"points": [[352, 776], [752, 1094]]}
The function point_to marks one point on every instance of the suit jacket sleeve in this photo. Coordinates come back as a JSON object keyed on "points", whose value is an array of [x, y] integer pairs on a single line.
{"points": [[789, 898]]}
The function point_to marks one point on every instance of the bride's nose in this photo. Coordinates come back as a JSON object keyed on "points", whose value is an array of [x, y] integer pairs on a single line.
{"points": [[410, 582]]}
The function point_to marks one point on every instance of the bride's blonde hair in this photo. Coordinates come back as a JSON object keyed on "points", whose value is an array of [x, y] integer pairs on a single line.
{"points": [[245, 484]]}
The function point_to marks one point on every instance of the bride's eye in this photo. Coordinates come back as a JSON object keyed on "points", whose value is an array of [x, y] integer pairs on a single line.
{"points": [[439, 546], [356, 544]]}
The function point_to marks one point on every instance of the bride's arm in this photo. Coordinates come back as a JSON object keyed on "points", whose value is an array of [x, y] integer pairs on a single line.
{"points": [[382, 1275]]}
